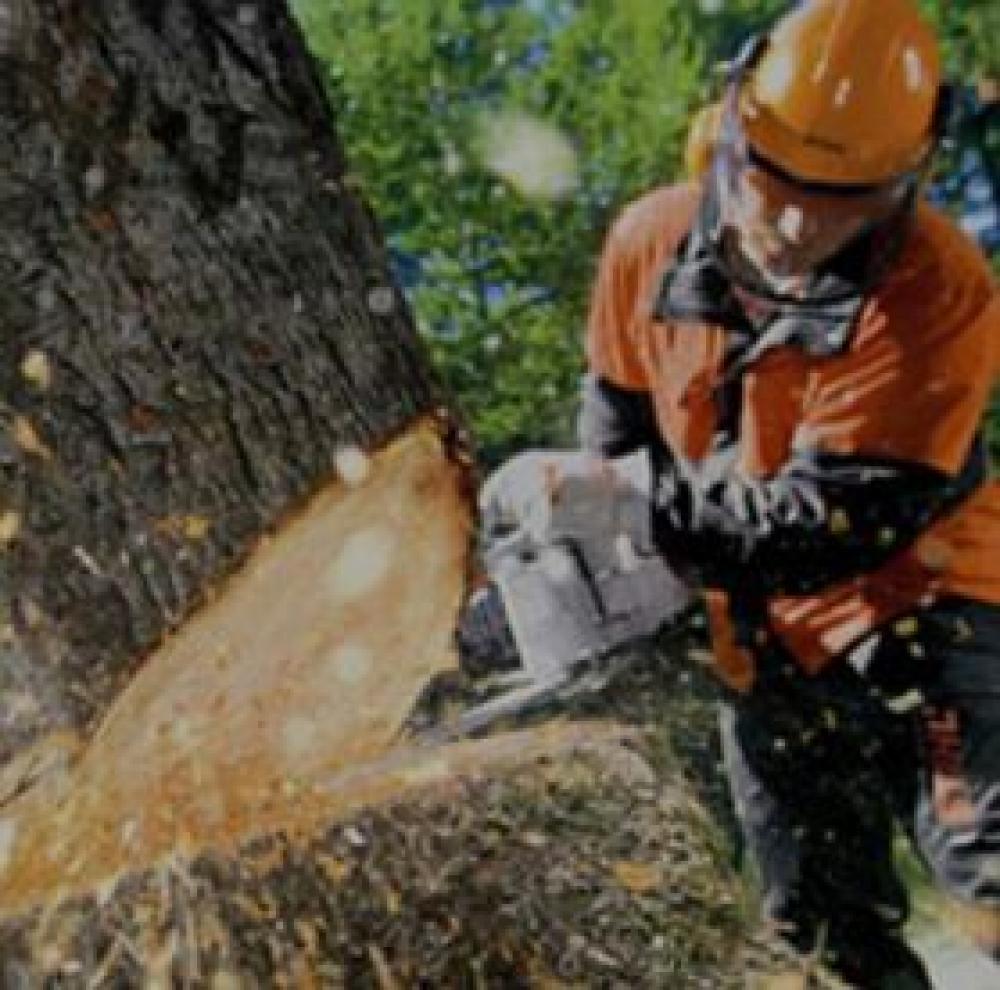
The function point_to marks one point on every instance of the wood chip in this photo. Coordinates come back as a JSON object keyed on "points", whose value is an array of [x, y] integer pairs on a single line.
{"points": [[36, 369], [26, 437], [10, 526], [383, 972]]}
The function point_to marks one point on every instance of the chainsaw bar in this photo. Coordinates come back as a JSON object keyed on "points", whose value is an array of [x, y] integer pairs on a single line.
{"points": [[519, 696]]}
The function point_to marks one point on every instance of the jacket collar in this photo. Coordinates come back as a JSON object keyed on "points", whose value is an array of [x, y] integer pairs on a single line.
{"points": [[821, 323]]}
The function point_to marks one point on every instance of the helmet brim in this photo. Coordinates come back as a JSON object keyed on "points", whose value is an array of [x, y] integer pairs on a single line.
{"points": [[820, 162]]}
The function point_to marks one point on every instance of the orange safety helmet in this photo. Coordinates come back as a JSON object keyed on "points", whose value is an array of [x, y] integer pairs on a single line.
{"points": [[844, 92]]}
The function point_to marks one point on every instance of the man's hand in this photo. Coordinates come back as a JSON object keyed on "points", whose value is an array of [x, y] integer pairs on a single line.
{"points": [[568, 543], [552, 495]]}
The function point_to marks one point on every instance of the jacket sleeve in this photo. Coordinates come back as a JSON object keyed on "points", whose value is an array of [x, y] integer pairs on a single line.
{"points": [[610, 344], [613, 420], [888, 440], [616, 410], [822, 519]]}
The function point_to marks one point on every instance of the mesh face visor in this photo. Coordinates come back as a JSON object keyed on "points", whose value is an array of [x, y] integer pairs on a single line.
{"points": [[771, 230]]}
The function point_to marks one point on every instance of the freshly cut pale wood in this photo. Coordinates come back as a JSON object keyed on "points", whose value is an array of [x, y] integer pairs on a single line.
{"points": [[305, 663]]}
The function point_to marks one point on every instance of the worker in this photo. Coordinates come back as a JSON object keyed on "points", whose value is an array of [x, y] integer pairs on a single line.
{"points": [[807, 349]]}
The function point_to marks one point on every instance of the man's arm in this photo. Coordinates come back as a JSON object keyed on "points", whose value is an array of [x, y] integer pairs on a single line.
{"points": [[888, 439], [822, 519], [616, 413], [614, 420]]}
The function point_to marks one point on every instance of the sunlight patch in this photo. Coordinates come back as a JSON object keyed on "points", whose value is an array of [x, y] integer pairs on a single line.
{"points": [[129, 832], [352, 465], [381, 300], [8, 832], [557, 565], [352, 663], [183, 734], [914, 68], [10, 526], [298, 736], [775, 77], [790, 223]]}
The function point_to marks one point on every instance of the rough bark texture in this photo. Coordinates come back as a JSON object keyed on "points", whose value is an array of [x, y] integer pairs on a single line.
{"points": [[195, 314]]}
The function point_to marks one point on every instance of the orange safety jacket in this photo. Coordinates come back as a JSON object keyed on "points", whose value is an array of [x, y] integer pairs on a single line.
{"points": [[911, 383]]}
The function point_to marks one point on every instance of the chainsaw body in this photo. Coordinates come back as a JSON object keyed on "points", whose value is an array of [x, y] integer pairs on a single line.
{"points": [[568, 551]]}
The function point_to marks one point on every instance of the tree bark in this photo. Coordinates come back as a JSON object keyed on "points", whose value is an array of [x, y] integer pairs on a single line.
{"points": [[196, 314]]}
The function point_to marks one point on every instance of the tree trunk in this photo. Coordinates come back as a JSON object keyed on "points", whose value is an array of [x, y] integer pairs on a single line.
{"points": [[234, 523], [201, 345], [197, 316]]}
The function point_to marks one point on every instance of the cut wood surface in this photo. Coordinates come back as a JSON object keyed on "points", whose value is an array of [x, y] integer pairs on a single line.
{"points": [[306, 663]]}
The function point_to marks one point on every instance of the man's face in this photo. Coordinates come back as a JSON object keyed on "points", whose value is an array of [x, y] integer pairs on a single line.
{"points": [[783, 230]]}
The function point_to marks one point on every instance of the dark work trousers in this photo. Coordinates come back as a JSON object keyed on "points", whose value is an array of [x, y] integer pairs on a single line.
{"points": [[821, 770]]}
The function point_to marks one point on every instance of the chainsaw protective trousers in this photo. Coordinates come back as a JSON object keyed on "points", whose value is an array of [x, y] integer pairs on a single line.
{"points": [[820, 773]]}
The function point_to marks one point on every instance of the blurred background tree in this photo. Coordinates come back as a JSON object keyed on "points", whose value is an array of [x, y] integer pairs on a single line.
{"points": [[496, 140]]}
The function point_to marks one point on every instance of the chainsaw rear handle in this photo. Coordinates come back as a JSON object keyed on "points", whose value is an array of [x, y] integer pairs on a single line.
{"points": [[574, 579]]}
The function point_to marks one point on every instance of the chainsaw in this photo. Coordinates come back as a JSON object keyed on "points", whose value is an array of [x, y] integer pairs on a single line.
{"points": [[571, 579]]}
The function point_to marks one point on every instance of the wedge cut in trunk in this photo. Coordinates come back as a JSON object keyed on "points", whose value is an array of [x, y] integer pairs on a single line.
{"points": [[234, 517]]}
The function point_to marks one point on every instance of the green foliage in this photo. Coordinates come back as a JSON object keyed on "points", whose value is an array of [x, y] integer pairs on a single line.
{"points": [[970, 32], [497, 275], [502, 288]]}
